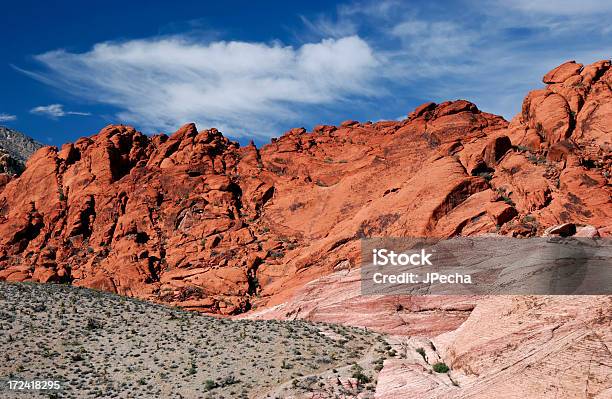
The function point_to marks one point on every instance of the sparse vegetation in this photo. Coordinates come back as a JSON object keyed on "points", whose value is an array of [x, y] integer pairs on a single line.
{"points": [[529, 219], [488, 176], [93, 324], [359, 375], [505, 196], [378, 364], [536, 159], [440, 368], [103, 345], [277, 254]]}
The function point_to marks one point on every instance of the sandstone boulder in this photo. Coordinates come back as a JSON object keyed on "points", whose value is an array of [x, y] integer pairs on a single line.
{"points": [[561, 73]]}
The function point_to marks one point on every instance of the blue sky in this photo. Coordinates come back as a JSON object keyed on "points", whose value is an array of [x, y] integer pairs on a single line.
{"points": [[67, 70]]}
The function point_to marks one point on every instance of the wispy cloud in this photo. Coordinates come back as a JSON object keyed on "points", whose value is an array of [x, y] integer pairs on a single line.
{"points": [[242, 88], [369, 59], [7, 117], [561, 7], [55, 111], [490, 52]]}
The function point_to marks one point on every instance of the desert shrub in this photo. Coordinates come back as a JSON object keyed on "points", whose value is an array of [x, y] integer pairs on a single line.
{"points": [[93, 324], [440, 367], [359, 375], [488, 176], [209, 385], [324, 360], [229, 380], [378, 364], [77, 357], [39, 307], [7, 316], [528, 219]]}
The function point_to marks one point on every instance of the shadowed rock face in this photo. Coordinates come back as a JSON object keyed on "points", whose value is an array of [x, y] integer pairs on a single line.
{"points": [[17, 145], [192, 219], [15, 149]]}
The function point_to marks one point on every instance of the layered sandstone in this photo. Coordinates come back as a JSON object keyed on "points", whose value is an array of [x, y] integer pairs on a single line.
{"points": [[511, 347]]}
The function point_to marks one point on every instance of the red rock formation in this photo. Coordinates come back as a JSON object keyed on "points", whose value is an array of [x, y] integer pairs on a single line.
{"points": [[195, 220]]}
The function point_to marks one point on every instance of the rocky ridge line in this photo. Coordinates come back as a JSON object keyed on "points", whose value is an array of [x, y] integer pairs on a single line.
{"points": [[193, 219]]}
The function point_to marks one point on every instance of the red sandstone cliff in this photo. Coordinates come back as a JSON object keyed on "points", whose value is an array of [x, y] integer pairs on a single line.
{"points": [[193, 219]]}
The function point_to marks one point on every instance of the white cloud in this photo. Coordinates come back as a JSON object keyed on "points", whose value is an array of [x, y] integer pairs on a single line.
{"points": [[55, 111], [433, 39], [560, 7], [235, 86], [491, 52], [7, 117], [350, 16], [364, 61]]}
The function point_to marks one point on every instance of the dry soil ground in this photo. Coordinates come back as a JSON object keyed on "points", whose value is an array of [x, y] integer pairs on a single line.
{"points": [[100, 345]]}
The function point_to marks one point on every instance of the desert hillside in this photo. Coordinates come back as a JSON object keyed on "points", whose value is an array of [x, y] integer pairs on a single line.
{"points": [[195, 220], [99, 345]]}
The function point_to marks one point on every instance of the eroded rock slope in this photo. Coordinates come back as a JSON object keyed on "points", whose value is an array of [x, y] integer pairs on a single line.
{"points": [[195, 220]]}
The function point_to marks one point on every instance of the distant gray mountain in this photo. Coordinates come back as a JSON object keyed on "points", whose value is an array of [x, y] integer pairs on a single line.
{"points": [[15, 149]]}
